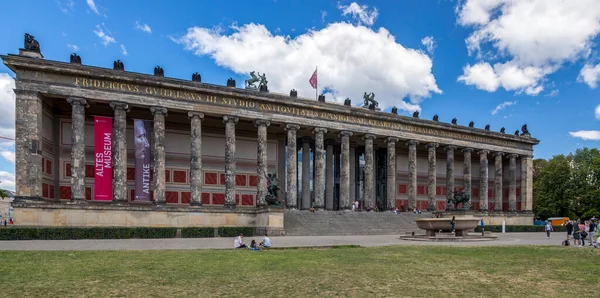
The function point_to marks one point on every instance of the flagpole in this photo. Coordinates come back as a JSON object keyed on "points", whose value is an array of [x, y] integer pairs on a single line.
{"points": [[317, 88]]}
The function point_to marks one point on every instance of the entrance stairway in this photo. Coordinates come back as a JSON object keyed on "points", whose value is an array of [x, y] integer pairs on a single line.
{"points": [[331, 223]]}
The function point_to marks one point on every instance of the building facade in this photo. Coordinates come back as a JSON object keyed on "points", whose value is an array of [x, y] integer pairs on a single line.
{"points": [[183, 153]]}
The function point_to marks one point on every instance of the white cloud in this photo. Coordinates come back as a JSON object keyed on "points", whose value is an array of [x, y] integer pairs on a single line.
{"points": [[143, 27], [7, 107], [123, 50], [481, 75], [105, 37], [506, 75], [73, 47], [323, 15], [503, 105], [360, 13], [92, 6], [590, 135], [429, 43], [534, 38], [8, 155], [339, 50], [590, 75], [598, 112], [7, 180]]}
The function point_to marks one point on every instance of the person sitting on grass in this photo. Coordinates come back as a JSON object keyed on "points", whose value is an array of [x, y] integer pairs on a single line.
{"points": [[253, 245], [237, 243], [266, 242]]}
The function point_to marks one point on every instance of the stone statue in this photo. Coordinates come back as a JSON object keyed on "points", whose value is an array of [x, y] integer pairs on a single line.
{"points": [[321, 98], [196, 77], [260, 79], [416, 114], [231, 82], [75, 59], [272, 189], [502, 130], [31, 44], [516, 132], [395, 110], [262, 85], [471, 124], [293, 93], [369, 101], [459, 201], [524, 131], [435, 118], [487, 127], [454, 121], [159, 72], [347, 102], [118, 65]]}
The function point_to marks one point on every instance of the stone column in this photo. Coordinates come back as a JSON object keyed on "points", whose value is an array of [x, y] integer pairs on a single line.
{"points": [[196, 157], [391, 173], [28, 144], [412, 174], [345, 171], [119, 152], [483, 180], [261, 168], [230, 160], [306, 197], [329, 180], [527, 183], [319, 168], [77, 149], [498, 181], [369, 174], [431, 176], [449, 171], [467, 172], [159, 154], [352, 177], [512, 182], [292, 166]]}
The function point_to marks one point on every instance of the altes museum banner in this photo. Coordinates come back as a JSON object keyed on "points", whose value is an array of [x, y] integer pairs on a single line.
{"points": [[141, 131], [103, 173]]}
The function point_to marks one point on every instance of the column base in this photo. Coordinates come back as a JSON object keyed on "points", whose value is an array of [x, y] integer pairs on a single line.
{"points": [[196, 204], [229, 205], [77, 201]]}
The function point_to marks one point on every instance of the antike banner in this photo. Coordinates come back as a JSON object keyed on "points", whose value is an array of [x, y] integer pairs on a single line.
{"points": [[141, 132], [103, 143]]}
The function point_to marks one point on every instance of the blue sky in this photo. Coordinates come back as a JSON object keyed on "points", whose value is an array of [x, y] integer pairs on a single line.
{"points": [[498, 62]]}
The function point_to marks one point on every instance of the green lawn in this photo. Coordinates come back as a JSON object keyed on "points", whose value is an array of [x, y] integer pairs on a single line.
{"points": [[339, 272]]}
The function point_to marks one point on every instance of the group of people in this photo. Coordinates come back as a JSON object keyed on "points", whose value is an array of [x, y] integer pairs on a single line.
{"points": [[265, 243], [7, 221], [579, 231]]}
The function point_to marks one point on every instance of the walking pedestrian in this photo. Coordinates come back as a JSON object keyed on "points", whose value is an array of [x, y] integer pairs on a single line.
{"points": [[593, 227], [576, 234], [482, 227], [548, 229], [569, 227], [582, 232], [452, 223]]}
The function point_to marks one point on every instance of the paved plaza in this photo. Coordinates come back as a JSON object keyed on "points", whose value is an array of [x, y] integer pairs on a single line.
{"points": [[285, 241]]}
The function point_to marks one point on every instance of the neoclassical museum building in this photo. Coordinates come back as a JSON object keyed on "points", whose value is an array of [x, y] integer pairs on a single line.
{"points": [[108, 147]]}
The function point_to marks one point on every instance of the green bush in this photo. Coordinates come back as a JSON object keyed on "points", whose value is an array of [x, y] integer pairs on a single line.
{"points": [[513, 229], [235, 231], [197, 232]]}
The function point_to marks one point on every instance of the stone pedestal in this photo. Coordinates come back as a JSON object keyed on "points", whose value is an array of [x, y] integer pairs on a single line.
{"points": [[412, 174], [292, 166], [77, 149], [391, 173], [512, 182], [159, 154], [483, 180], [230, 160], [119, 152], [196, 157], [319, 168], [306, 176], [262, 162], [431, 176], [498, 181], [369, 174]]}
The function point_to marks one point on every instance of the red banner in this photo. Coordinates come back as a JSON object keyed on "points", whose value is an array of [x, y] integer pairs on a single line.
{"points": [[103, 158]]}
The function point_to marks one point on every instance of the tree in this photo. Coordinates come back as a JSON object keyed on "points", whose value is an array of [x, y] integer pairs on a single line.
{"points": [[4, 193]]}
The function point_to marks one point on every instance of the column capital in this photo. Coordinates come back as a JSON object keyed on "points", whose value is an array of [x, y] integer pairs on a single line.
{"points": [[498, 154], [292, 127], [412, 142], [192, 115], [369, 137], [450, 147], [391, 140], [77, 101], [230, 119], [261, 122], [156, 110], [319, 130], [483, 152], [513, 155], [469, 150], [345, 133], [116, 105], [432, 145]]}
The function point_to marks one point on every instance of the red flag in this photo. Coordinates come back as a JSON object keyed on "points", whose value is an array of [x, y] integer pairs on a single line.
{"points": [[313, 80]]}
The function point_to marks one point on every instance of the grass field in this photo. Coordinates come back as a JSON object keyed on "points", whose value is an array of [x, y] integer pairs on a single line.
{"points": [[338, 272]]}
